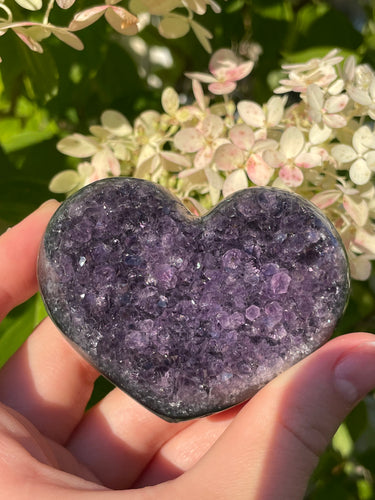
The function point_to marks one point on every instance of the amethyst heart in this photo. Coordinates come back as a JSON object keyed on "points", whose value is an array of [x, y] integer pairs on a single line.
{"points": [[191, 315]]}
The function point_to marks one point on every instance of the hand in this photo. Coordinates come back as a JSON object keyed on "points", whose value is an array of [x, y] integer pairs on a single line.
{"points": [[50, 448]]}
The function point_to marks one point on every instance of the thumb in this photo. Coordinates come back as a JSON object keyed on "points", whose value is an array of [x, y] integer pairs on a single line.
{"points": [[272, 446]]}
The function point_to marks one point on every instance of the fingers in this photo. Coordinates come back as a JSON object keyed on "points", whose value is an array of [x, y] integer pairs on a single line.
{"points": [[272, 446], [118, 437], [48, 382], [19, 248]]}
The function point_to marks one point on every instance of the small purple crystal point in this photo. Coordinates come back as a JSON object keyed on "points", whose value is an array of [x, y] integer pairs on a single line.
{"points": [[191, 315]]}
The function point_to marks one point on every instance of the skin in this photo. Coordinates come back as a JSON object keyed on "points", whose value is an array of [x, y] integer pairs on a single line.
{"points": [[262, 450]]}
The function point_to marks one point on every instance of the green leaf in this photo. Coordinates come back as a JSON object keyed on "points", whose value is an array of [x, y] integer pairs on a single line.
{"points": [[18, 325], [342, 441]]}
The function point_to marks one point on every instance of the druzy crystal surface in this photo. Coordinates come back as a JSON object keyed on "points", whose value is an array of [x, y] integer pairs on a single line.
{"points": [[191, 315]]}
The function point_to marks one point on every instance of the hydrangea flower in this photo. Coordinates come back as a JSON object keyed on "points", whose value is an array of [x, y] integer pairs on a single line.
{"points": [[319, 148]]}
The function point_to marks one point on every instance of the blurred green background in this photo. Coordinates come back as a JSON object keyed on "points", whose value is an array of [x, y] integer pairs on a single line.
{"points": [[44, 97]]}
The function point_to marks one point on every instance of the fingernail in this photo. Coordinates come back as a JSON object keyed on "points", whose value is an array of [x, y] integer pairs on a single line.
{"points": [[354, 374], [47, 205]]}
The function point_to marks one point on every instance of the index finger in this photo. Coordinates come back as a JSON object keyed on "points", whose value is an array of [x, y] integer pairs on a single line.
{"points": [[19, 247]]}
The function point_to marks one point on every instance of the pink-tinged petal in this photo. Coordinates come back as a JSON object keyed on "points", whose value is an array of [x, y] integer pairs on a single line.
{"points": [[228, 157], [336, 104], [175, 158], [222, 88], [65, 4], [235, 181], [212, 126], [365, 241], [201, 77], [292, 142], [215, 180], [259, 172], [335, 121], [105, 162], [251, 113], [275, 159], [308, 160], [188, 140], [69, 38], [319, 133], [86, 17], [242, 136], [315, 97], [358, 211], [203, 158], [198, 94], [326, 198], [120, 19], [30, 42], [292, 176], [343, 153], [239, 72], [222, 60]]}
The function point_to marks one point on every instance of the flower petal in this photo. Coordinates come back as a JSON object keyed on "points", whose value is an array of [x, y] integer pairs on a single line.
{"points": [[343, 153], [359, 172], [65, 4], [228, 157], [30, 4], [308, 160], [334, 121], [174, 26], [336, 103], [64, 181], [242, 136], [259, 172], [67, 37], [315, 97], [360, 267], [175, 158], [275, 110], [222, 88], [212, 126], [292, 176], [251, 113], [170, 100], [86, 17], [235, 181], [326, 198], [365, 240], [363, 139], [120, 19], [359, 96], [78, 145], [358, 211], [319, 133], [201, 77], [188, 140], [239, 72], [292, 142], [115, 122]]}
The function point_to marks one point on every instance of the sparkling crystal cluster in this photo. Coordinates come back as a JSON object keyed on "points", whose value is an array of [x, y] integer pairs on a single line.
{"points": [[191, 315]]}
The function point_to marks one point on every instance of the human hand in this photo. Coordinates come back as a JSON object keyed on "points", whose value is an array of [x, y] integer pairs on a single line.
{"points": [[50, 447]]}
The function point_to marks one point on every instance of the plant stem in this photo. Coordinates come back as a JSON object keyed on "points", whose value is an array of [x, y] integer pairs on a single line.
{"points": [[48, 11]]}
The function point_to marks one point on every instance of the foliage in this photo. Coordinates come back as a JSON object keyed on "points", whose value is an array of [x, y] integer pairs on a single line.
{"points": [[47, 97]]}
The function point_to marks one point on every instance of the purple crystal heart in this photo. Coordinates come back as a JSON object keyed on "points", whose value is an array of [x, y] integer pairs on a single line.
{"points": [[191, 315]]}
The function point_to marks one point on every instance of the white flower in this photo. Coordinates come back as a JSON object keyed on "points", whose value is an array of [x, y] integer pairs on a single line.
{"points": [[360, 156], [322, 72]]}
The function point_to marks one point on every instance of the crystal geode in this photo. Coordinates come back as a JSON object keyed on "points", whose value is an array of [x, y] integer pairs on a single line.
{"points": [[191, 315]]}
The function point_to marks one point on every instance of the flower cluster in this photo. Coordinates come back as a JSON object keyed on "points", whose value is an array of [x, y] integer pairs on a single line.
{"points": [[322, 147], [125, 22]]}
